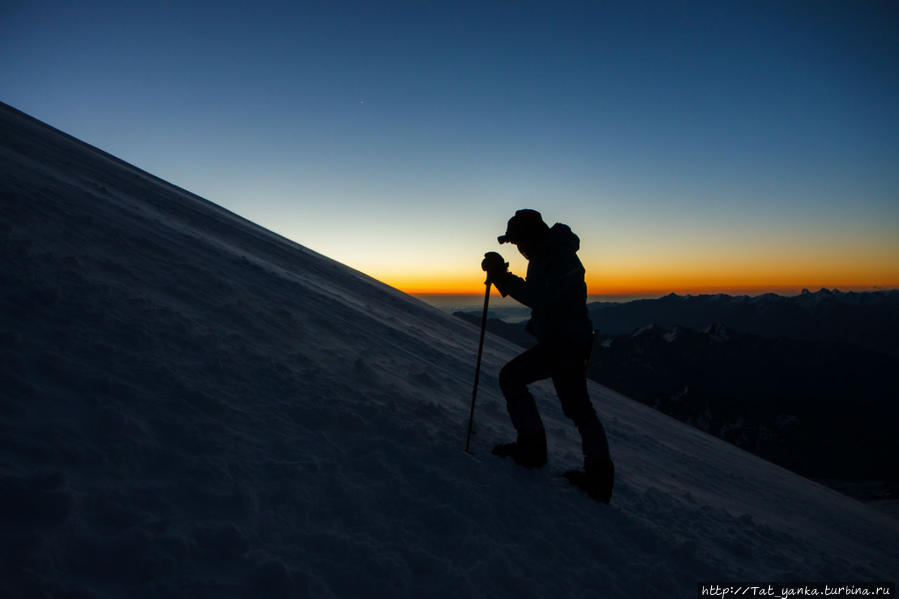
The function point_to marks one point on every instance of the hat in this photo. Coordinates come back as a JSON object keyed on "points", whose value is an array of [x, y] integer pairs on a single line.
{"points": [[525, 225]]}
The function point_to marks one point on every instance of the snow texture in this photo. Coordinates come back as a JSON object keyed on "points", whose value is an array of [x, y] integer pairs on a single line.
{"points": [[193, 406]]}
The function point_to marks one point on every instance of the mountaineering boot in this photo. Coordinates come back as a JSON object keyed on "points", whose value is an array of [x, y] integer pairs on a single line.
{"points": [[597, 478], [528, 451]]}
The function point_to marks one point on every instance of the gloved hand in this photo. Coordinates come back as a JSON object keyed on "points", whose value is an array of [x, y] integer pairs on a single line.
{"points": [[495, 267]]}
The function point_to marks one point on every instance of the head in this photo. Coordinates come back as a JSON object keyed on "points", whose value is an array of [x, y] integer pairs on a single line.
{"points": [[526, 230]]}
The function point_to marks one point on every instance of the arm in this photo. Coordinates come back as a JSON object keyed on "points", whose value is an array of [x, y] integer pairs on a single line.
{"points": [[506, 283], [554, 286], [518, 288]]}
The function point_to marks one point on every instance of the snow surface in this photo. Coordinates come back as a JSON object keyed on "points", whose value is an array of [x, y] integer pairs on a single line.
{"points": [[194, 406]]}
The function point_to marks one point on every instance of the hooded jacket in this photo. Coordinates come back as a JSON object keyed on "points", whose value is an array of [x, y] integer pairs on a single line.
{"points": [[554, 289]]}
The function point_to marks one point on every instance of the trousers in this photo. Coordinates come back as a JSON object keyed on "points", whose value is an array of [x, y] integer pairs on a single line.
{"points": [[568, 369]]}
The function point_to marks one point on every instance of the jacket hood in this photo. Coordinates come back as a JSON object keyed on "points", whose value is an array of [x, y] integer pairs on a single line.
{"points": [[560, 238]]}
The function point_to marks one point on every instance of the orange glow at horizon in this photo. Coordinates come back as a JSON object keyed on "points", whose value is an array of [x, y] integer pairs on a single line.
{"points": [[645, 281]]}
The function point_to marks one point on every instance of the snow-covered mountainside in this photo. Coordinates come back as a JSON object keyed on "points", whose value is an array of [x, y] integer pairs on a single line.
{"points": [[194, 406]]}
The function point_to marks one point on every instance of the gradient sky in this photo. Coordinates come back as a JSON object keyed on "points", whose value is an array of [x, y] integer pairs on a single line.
{"points": [[723, 146]]}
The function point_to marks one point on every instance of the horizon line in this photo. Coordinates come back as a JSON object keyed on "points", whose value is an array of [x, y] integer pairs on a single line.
{"points": [[655, 293]]}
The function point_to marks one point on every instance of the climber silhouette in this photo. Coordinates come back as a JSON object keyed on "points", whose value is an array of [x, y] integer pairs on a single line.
{"points": [[555, 290]]}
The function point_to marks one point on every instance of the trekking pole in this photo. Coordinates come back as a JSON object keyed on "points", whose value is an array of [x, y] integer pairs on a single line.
{"points": [[477, 370]]}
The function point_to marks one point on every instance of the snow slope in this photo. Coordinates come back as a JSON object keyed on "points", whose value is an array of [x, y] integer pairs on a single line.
{"points": [[194, 406]]}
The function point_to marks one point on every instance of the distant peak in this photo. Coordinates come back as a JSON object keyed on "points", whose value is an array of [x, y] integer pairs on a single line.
{"points": [[649, 328], [717, 332]]}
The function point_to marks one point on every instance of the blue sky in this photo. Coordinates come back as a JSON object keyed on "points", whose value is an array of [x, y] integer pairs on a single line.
{"points": [[681, 141]]}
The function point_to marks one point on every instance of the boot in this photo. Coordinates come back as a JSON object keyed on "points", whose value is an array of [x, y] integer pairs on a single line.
{"points": [[528, 451], [597, 478]]}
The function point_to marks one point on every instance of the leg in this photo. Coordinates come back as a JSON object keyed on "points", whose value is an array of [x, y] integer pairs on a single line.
{"points": [[529, 449], [570, 381], [514, 378], [598, 476]]}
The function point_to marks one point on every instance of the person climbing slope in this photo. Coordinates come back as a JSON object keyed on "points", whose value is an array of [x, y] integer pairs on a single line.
{"points": [[555, 290]]}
